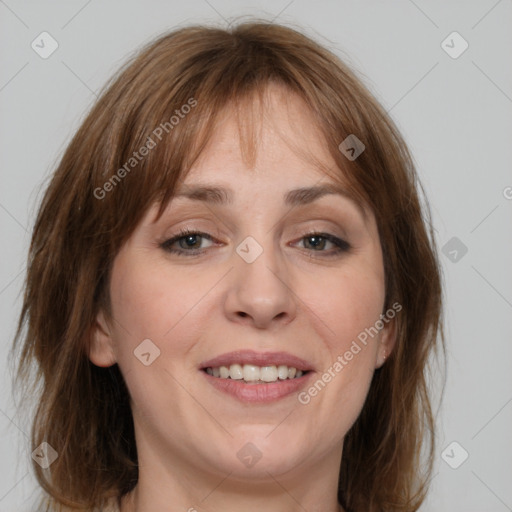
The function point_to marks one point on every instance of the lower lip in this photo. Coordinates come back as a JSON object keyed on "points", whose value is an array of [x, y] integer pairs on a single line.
{"points": [[258, 393]]}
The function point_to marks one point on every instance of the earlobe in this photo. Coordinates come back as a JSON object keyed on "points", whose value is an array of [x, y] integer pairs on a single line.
{"points": [[101, 351], [386, 343]]}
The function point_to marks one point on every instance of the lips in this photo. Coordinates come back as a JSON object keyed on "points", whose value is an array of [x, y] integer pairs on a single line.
{"points": [[263, 393], [258, 392], [257, 358]]}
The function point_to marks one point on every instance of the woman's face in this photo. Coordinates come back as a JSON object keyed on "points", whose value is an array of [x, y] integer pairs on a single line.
{"points": [[256, 287]]}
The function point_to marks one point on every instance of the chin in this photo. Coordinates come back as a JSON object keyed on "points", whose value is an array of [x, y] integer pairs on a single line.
{"points": [[260, 451]]}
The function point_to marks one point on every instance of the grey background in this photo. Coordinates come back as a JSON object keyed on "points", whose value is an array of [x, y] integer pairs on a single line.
{"points": [[455, 115]]}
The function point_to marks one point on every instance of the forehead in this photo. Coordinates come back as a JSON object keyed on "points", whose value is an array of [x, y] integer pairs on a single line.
{"points": [[268, 144], [266, 138], [271, 125]]}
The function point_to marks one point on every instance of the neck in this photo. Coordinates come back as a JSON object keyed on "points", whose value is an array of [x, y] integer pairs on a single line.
{"points": [[192, 488]]}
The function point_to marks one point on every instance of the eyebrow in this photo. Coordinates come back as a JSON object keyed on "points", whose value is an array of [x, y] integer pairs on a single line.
{"points": [[294, 198]]}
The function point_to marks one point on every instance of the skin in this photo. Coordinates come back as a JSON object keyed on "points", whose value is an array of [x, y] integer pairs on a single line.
{"points": [[292, 298]]}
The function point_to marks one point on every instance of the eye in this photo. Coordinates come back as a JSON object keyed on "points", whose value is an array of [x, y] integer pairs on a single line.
{"points": [[317, 242], [187, 241]]}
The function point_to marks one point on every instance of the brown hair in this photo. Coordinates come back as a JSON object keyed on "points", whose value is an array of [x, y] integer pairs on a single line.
{"points": [[91, 207]]}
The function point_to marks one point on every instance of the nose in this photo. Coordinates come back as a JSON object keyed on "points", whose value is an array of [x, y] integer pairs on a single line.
{"points": [[259, 292]]}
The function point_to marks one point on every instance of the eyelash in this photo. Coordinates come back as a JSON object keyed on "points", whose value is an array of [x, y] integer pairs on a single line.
{"points": [[341, 246]]}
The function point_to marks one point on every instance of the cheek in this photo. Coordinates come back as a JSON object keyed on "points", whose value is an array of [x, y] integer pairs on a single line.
{"points": [[348, 306], [348, 303], [140, 301], [152, 301]]}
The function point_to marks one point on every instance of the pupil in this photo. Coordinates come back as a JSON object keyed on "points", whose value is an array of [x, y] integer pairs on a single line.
{"points": [[317, 241], [192, 239]]}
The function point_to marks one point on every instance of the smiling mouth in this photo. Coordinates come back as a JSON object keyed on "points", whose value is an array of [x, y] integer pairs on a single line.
{"points": [[253, 374]]}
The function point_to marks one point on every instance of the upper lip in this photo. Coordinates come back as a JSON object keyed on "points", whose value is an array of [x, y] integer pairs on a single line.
{"points": [[258, 359]]}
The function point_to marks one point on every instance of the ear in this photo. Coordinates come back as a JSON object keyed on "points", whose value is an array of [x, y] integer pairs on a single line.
{"points": [[101, 351], [387, 341]]}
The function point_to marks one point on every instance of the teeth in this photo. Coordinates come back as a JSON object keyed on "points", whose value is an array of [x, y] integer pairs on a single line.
{"points": [[269, 374], [236, 372], [282, 372], [252, 373]]}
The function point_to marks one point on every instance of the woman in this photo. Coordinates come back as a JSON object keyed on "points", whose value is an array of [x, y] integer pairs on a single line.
{"points": [[232, 289]]}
